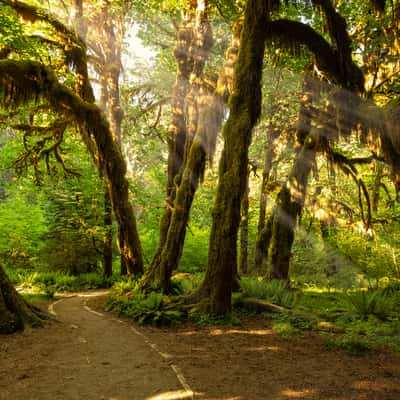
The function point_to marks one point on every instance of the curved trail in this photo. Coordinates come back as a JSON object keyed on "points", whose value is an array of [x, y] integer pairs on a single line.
{"points": [[98, 358]]}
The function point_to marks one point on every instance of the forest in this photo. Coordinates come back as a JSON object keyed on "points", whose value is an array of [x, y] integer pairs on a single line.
{"points": [[205, 165]]}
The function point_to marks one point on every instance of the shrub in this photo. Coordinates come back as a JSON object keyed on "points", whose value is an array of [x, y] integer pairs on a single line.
{"points": [[275, 291], [350, 343], [145, 308], [364, 303]]}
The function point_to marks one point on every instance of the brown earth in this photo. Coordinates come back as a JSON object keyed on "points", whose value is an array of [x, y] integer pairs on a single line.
{"points": [[88, 356]]}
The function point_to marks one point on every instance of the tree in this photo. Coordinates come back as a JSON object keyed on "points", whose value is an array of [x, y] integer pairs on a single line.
{"points": [[15, 312], [245, 108], [95, 133], [205, 111]]}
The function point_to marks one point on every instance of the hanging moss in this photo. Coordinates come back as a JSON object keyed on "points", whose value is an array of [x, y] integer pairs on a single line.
{"points": [[29, 81], [245, 109]]}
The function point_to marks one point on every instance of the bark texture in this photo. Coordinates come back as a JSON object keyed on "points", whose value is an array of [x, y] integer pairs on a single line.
{"points": [[108, 66], [21, 81], [178, 131], [205, 118], [289, 204], [244, 230], [15, 312], [291, 197], [245, 107], [202, 111], [261, 246]]}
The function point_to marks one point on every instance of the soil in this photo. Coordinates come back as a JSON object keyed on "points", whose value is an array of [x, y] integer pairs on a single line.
{"points": [[87, 355]]}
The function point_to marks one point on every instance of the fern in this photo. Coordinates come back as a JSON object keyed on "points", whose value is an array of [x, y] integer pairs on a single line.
{"points": [[365, 303], [274, 291]]}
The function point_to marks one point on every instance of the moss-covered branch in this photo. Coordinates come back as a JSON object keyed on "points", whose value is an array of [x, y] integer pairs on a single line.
{"points": [[24, 81], [293, 34]]}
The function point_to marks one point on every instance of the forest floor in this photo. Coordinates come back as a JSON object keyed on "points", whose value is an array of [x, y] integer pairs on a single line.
{"points": [[93, 355]]}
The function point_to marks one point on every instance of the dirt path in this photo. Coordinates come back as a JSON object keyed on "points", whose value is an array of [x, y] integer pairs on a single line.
{"points": [[88, 356], [85, 356]]}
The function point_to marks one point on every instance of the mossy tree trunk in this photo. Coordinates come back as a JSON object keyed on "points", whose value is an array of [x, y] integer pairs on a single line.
{"points": [[244, 230], [15, 312], [176, 216], [177, 133], [107, 64], [22, 81], [266, 183], [108, 231], [291, 197], [206, 114], [108, 235], [245, 104], [110, 72], [288, 207]]}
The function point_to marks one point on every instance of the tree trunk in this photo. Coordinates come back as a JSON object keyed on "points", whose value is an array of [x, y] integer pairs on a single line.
{"points": [[15, 312], [108, 67], [205, 122], [108, 231], [291, 197], [377, 185], [288, 207], [108, 235], [244, 230], [245, 110], [177, 133], [260, 248]]}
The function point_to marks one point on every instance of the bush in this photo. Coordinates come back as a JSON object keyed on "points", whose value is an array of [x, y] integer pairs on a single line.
{"points": [[145, 308], [350, 343], [275, 291], [51, 282], [365, 303]]}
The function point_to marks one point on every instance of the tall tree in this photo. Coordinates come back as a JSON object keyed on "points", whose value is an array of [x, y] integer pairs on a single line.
{"points": [[245, 108], [346, 74], [205, 117]]}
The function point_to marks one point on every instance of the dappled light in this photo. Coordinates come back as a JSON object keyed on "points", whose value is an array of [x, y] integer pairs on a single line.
{"points": [[200, 199], [258, 332], [299, 394], [175, 395]]}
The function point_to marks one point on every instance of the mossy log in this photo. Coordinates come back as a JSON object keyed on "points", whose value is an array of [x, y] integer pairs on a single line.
{"points": [[15, 312], [259, 306]]}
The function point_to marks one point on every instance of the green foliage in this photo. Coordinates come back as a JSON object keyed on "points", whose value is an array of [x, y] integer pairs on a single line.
{"points": [[197, 316], [356, 317], [57, 225], [298, 321], [352, 344], [285, 328], [144, 308], [274, 291], [52, 282], [124, 286], [22, 225], [364, 303], [184, 283]]}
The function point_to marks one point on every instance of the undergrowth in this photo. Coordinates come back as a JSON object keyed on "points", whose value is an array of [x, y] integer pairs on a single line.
{"points": [[145, 308], [51, 282], [275, 291]]}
